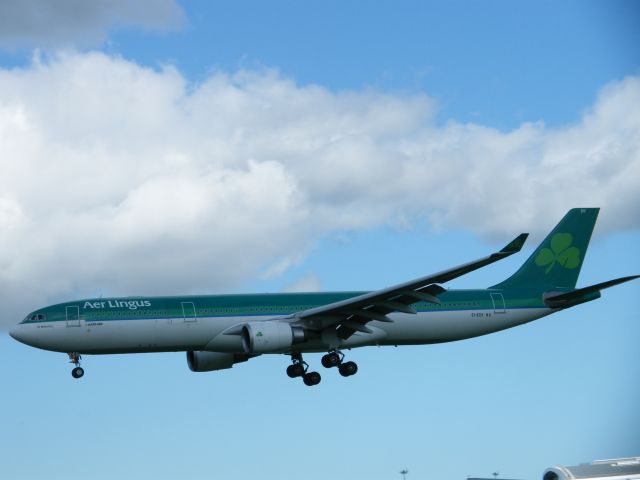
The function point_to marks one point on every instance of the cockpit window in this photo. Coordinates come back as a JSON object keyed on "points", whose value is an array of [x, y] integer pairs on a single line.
{"points": [[37, 317]]}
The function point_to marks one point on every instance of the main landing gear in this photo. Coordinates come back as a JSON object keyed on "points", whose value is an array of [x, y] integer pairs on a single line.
{"points": [[299, 369], [335, 359], [75, 358]]}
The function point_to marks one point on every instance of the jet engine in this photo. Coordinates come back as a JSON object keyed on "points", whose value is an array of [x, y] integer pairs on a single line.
{"points": [[209, 361], [270, 337]]}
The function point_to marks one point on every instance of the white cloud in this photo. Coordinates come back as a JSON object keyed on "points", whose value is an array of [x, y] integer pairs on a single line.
{"points": [[309, 283], [119, 179], [50, 24]]}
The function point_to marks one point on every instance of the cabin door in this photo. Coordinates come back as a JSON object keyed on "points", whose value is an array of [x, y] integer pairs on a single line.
{"points": [[498, 303], [73, 316], [189, 312]]}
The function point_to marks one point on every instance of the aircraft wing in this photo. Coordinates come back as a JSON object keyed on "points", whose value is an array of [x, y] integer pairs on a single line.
{"points": [[351, 315]]}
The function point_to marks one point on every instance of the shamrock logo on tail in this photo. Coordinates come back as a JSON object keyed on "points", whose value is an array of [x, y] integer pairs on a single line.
{"points": [[561, 252]]}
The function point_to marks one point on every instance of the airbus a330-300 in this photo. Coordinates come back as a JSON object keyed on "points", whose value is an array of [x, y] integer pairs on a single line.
{"points": [[218, 331]]}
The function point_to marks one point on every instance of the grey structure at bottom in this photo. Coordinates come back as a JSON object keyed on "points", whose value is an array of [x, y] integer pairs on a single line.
{"points": [[614, 469]]}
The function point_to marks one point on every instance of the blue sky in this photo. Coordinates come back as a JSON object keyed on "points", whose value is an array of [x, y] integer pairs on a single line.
{"points": [[455, 51], [205, 147]]}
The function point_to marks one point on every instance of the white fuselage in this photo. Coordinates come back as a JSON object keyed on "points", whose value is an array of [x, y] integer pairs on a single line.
{"points": [[206, 333]]}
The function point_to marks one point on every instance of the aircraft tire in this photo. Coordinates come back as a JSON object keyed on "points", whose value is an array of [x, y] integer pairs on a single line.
{"points": [[312, 378], [330, 360], [77, 372], [295, 370], [348, 368]]}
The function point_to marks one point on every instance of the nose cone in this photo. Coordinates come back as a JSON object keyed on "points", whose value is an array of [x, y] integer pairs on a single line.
{"points": [[34, 336], [15, 333], [20, 333]]}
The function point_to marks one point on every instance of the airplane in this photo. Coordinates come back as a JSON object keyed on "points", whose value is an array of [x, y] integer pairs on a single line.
{"points": [[219, 331]]}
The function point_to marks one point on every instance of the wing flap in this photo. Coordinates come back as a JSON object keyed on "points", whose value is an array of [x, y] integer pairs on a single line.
{"points": [[370, 314], [356, 326], [421, 296]]}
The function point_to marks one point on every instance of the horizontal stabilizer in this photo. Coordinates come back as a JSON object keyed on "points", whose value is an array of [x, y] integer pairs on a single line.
{"points": [[581, 295]]}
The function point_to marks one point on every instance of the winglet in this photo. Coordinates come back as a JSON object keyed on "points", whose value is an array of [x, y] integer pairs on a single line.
{"points": [[516, 244]]}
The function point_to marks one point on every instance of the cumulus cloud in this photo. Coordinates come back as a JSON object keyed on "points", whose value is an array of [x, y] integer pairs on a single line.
{"points": [[43, 23], [308, 283], [120, 179]]}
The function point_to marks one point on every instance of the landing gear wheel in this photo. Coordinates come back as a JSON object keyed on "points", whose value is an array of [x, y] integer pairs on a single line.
{"points": [[311, 378], [295, 370], [348, 368], [298, 368], [331, 359], [75, 358]]}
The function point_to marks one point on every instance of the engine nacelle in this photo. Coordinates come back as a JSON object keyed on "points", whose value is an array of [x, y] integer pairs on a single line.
{"points": [[209, 361], [270, 337]]}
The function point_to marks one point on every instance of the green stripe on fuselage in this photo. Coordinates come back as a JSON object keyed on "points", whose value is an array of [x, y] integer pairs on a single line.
{"points": [[276, 304]]}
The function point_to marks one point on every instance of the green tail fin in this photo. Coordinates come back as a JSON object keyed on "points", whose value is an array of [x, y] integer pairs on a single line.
{"points": [[557, 261]]}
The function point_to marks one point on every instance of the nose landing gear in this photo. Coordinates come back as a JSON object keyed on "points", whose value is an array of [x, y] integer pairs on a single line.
{"points": [[335, 359], [78, 371], [299, 369]]}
